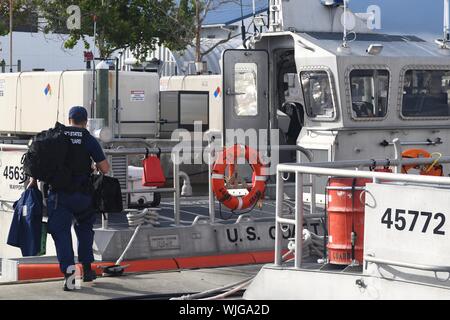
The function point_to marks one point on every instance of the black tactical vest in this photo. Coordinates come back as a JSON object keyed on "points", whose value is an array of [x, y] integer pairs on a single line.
{"points": [[78, 159]]}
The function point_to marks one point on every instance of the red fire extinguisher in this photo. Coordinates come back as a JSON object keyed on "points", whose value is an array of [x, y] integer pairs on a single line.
{"points": [[153, 175]]}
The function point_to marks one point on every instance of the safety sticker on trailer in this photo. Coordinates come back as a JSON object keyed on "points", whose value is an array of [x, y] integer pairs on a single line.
{"points": [[48, 90], [137, 96], [218, 92]]}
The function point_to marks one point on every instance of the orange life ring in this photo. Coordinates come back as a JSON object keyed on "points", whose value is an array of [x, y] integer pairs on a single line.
{"points": [[228, 157], [432, 170]]}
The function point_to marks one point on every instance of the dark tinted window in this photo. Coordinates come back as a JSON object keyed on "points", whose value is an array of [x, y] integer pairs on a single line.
{"points": [[426, 93]]}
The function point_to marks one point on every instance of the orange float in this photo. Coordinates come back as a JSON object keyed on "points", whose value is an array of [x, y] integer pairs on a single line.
{"points": [[228, 157], [431, 170]]}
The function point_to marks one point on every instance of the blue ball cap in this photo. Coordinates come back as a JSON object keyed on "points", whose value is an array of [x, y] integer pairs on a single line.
{"points": [[78, 114]]}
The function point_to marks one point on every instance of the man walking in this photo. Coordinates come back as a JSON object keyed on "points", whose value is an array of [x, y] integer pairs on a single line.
{"points": [[76, 205]]}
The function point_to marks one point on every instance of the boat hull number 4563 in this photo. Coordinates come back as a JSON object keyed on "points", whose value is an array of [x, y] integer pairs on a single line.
{"points": [[13, 173], [411, 220]]}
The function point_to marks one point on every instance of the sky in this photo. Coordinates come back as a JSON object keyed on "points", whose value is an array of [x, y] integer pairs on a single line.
{"points": [[418, 17], [37, 50], [232, 10], [406, 16], [423, 18]]}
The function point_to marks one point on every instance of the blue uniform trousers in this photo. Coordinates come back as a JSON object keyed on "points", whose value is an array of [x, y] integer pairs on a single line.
{"points": [[63, 208]]}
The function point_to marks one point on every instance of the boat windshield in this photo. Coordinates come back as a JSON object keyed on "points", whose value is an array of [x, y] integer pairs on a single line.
{"points": [[370, 89], [316, 87], [426, 93]]}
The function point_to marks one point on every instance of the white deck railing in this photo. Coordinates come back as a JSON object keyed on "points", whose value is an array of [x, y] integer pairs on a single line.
{"points": [[337, 169]]}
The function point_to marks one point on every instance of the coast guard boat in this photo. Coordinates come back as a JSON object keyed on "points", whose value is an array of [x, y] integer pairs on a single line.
{"points": [[359, 120]]}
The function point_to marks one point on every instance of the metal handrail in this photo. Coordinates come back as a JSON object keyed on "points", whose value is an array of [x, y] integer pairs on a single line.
{"points": [[176, 187], [336, 169], [286, 221], [344, 188], [302, 169], [13, 147], [366, 163], [149, 190], [142, 151], [423, 267], [138, 151], [427, 142]]}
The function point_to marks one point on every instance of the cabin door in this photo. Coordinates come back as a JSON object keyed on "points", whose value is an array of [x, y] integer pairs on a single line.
{"points": [[245, 93]]}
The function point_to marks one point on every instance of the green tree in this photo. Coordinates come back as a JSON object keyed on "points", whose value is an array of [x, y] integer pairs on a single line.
{"points": [[4, 16], [24, 12], [201, 9], [139, 25]]}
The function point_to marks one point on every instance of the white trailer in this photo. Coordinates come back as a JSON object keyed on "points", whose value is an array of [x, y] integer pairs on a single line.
{"points": [[210, 96], [33, 101]]}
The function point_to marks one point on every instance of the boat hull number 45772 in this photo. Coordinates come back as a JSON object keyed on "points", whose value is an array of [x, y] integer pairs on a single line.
{"points": [[411, 220]]}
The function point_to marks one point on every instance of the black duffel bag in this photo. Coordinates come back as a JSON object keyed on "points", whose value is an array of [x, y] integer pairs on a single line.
{"points": [[107, 195]]}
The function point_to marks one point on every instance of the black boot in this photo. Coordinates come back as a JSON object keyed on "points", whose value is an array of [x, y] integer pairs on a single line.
{"points": [[88, 274], [69, 281]]}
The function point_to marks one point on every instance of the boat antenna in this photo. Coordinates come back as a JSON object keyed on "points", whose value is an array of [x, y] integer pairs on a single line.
{"points": [[243, 32], [10, 35], [255, 29], [345, 43], [446, 38], [345, 48]]}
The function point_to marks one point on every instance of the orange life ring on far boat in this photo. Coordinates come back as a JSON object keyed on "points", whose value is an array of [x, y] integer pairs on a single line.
{"points": [[431, 170], [228, 157]]}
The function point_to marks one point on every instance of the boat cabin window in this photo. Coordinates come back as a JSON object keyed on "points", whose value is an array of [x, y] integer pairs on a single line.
{"points": [[426, 93], [246, 89], [317, 93], [370, 89]]}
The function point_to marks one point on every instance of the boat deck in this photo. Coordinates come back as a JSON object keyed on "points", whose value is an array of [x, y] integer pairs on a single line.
{"points": [[193, 207], [190, 208]]}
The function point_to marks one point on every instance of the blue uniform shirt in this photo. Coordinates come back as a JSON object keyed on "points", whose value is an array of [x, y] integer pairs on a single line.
{"points": [[96, 153], [94, 149]]}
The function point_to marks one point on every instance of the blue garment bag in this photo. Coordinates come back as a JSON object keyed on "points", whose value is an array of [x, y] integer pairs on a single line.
{"points": [[26, 225]]}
